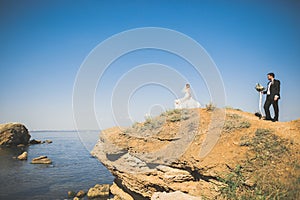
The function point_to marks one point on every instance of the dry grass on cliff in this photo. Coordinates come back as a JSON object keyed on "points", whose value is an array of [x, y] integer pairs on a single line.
{"points": [[264, 174]]}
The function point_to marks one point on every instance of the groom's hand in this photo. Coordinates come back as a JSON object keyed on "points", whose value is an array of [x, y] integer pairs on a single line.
{"points": [[276, 98]]}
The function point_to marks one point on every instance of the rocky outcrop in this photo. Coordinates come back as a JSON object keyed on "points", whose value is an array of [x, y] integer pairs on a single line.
{"points": [[13, 134], [162, 158], [41, 160], [23, 156]]}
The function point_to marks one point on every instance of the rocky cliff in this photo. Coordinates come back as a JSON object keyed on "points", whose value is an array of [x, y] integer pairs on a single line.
{"points": [[13, 134], [164, 157]]}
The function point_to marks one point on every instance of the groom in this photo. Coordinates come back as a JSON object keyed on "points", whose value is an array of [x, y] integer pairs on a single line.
{"points": [[273, 95]]}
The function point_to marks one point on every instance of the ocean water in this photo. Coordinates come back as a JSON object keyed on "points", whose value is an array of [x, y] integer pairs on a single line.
{"points": [[73, 167]]}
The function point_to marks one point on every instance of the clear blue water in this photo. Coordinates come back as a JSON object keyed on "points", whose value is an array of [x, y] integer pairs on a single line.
{"points": [[73, 167]]}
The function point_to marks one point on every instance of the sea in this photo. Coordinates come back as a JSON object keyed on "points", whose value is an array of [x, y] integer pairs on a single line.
{"points": [[72, 169]]}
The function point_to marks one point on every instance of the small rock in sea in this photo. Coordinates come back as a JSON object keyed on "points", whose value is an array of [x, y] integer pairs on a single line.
{"points": [[21, 145], [76, 198], [99, 191], [41, 160], [80, 194], [33, 141], [48, 141], [23, 156], [71, 194]]}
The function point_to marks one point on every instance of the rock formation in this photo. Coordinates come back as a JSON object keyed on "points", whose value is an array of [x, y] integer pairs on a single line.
{"points": [[34, 141], [80, 193], [163, 157], [23, 156], [98, 191], [41, 160], [13, 134]]}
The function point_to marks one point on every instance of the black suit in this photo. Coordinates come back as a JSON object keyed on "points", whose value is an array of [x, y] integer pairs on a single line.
{"points": [[274, 91]]}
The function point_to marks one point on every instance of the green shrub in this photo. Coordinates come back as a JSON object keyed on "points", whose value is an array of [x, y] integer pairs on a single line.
{"points": [[210, 107], [176, 115]]}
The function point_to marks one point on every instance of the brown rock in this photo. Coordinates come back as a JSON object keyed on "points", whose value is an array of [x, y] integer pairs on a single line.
{"points": [[23, 156], [13, 134], [71, 194], [34, 141], [41, 160], [48, 141], [99, 191], [80, 194], [119, 194]]}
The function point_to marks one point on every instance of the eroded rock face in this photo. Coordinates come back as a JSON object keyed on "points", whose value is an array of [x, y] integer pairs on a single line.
{"points": [[13, 134], [161, 160]]}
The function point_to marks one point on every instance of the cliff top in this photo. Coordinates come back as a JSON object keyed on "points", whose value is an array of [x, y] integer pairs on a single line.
{"points": [[244, 156]]}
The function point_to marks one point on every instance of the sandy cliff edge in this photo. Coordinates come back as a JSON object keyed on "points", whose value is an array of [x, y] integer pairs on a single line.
{"points": [[161, 155]]}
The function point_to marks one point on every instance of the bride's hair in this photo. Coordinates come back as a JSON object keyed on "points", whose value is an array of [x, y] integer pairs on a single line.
{"points": [[187, 85]]}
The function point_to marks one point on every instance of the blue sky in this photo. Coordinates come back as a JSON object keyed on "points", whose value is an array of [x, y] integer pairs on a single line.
{"points": [[43, 44]]}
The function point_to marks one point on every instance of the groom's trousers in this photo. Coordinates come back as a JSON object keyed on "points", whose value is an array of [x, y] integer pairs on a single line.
{"points": [[267, 105]]}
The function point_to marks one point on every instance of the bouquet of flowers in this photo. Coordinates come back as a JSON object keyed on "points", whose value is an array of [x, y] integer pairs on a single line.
{"points": [[259, 87]]}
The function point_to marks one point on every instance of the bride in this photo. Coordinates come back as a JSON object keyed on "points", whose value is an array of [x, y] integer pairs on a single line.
{"points": [[187, 101]]}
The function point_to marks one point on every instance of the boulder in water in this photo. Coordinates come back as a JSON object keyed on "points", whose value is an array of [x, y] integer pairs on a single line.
{"points": [[41, 160], [98, 191], [48, 141], [13, 134], [23, 156], [71, 194], [80, 193], [34, 141]]}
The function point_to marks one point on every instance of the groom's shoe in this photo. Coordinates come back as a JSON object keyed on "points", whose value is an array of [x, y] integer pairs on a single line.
{"points": [[268, 119], [274, 120]]}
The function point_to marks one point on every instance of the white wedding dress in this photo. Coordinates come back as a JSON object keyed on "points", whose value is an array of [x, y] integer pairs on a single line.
{"points": [[187, 101]]}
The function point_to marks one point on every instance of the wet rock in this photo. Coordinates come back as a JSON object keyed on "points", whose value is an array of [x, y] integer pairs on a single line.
{"points": [[98, 191], [48, 141], [23, 156], [80, 194], [20, 145], [76, 198], [13, 134], [34, 141], [41, 160], [71, 194]]}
